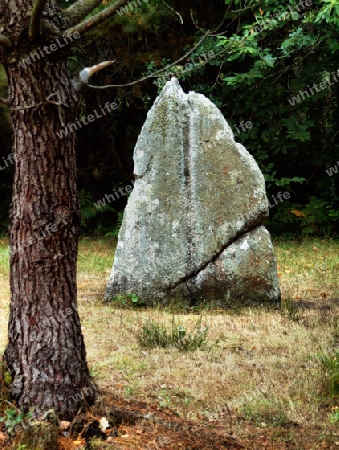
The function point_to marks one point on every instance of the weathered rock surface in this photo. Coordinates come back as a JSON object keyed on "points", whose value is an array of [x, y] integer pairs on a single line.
{"points": [[193, 224]]}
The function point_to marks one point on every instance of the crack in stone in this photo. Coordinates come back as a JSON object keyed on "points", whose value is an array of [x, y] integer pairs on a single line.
{"points": [[187, 145], [258, 222]]}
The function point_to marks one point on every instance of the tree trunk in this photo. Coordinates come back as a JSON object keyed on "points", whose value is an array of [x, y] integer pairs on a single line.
{"points": [[46, 351]]}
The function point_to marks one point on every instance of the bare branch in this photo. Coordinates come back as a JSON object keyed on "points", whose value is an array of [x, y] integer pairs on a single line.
{"points": [[176, 12], [219, 26], [158, 72], [35, 23], [45, 102], [5, 41], [85, 74], [250, 6], [92, 22], [79, 10], [4, 101], [23, 108]]}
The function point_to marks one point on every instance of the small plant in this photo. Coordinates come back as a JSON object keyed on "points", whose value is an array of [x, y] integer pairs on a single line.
{"points": [[134, 298], [127, 300], [265, 412], [88, 209], [116, 229], [154, 335], [132, 389], [12, 418], [335, 414], [331, 366], [290, 310]]}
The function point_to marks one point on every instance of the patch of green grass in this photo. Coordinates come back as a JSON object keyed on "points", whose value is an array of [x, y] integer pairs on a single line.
{"points": [[308, 268], [96, 255], [265, 412], [331, 367], [335, 414], [290, 310], [4, 257], [132, 389]]}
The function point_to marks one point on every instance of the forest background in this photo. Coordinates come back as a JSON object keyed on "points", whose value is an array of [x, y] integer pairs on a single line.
{"points": [[271, 68]]}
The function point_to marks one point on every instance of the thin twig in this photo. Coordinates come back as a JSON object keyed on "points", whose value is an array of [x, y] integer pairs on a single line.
{"points": [[216, 80], [45, 102], [219, 26], [155, 74], [176, 12], [23, 108], [250, 6]]}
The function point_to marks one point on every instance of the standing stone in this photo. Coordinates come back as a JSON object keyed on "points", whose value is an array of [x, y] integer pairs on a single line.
{"points": [[193, 226]]}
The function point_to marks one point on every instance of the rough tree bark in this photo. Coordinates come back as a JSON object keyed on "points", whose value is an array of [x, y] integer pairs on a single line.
{"points": [[45, 352]]}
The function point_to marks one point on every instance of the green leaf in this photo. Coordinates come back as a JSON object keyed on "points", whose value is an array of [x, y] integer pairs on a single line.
{"points": [[270, 60]]}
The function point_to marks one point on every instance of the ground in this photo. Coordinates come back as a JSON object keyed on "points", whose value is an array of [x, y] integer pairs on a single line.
{"points": [[259, 382]]}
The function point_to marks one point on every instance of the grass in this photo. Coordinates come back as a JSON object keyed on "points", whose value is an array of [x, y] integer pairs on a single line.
{"points": [[152, 335], [263, 364]]}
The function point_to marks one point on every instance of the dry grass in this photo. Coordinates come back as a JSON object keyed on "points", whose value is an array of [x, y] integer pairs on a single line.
{"points": [[259, 362]]}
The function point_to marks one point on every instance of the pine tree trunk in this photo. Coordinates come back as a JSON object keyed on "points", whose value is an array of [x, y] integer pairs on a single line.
{"points": [[46, 351]]}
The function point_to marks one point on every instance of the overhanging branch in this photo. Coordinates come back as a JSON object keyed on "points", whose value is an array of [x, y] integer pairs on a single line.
{"points": [[5, 41], [160, 71], [79, 10], [86, 74], [35, 23], [156, 74], [92, 22]]}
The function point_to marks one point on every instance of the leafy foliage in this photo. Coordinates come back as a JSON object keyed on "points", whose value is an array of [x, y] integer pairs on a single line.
{"points": [[88, 209], [317, 218], [265, 54], [12, 418], [118, 224]]}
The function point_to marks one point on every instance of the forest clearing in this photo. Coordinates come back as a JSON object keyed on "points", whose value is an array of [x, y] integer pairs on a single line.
{"points": [[257, 382]]}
